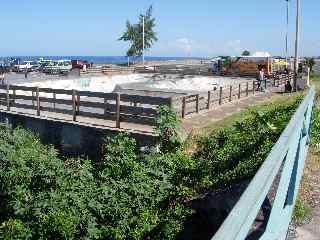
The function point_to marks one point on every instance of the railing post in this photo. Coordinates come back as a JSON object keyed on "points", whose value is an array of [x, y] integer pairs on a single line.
{"points": [[239, 92], [209, 100], [74, 110], [247, 89], [183, 109], [54, 99], [38, 101], [118, 110], [230, 94], [8, 97], [220, 96], [253, 87], [14, 95], [78, 103], [197, 103]]}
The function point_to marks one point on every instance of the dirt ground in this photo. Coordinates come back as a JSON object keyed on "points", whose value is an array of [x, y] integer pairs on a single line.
{"points": [[310, 194]]}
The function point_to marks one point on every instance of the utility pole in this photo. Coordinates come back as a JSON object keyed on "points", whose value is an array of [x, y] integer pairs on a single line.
{"points": [[296, 60], [143, 40], [287, 31]]}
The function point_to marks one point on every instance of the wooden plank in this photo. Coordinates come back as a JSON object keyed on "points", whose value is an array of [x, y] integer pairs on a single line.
{"points": [[23, 88], [197, 104], [24, 106], [247, 89], [106, 115], [184, 107], [253, 87], [56, 100], [95, 104], [138, 120], [145, 99], [8, 97], [38, 101], [57, 91], [118, 105], [108, 96], [56, 110], [78, 103], [140, 111], [22, 97], [74, 110], [220, 96]]}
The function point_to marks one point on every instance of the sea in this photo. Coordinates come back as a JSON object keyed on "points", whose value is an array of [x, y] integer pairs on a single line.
{"points": [[101, 59]]}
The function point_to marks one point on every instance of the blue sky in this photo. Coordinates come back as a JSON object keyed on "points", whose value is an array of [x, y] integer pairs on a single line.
{"points": [[196, 28]]}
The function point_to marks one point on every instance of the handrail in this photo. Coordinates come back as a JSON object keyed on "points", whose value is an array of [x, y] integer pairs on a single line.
{"points": [[289, 153]]}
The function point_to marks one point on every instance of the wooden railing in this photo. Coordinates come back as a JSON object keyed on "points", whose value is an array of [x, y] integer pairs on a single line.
{"points": [[109, 106], [284, 163], [194, 103]]}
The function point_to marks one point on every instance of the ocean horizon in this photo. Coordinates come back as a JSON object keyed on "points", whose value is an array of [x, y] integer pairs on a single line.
{"points": [[102, 59]]}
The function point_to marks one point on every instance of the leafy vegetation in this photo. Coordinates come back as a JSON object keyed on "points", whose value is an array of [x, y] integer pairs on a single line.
{"points": [[245, 53], [133, 34], [129, 195]]}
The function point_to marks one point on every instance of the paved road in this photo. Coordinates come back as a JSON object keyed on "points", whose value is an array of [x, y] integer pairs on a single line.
{"points": [[310, 231]]}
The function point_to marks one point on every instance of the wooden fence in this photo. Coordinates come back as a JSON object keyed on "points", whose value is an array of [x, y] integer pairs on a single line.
{"points": [[109, 106], [194, 103], [284, 163]]}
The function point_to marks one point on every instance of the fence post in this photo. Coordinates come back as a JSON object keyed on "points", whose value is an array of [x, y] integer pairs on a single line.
{"points": [[197, 103], [253, 86], [183, 110], [247, 89], [14, 95], [118, 110], [78, 103], [38, 101], [54, 99], [239, 92], [230, 94], [8, 97], [209, 100], [220, 96], [74, 110]]}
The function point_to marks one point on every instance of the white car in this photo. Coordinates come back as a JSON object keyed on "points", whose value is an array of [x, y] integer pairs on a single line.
{"points": [[26, 66]]}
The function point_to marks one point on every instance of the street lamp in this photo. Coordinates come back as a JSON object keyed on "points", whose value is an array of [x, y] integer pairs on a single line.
{"points": [[296, 59], [287, 30]]}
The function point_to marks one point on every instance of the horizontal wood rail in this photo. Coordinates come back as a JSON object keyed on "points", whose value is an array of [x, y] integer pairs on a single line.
{"points": [[109, 106], [285, 162]]}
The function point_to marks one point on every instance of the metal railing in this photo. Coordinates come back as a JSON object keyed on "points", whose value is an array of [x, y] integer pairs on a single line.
{"points": [[286, 162]]}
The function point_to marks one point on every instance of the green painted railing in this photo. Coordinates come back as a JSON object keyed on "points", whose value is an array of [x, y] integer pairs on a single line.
{"points": [[286, 161]]}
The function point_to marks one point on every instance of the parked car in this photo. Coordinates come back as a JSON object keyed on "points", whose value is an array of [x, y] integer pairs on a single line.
{"points": [[79, 64]]}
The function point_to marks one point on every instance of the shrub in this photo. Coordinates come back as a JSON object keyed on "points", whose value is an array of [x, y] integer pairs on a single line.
{"points": [[167, 126]]}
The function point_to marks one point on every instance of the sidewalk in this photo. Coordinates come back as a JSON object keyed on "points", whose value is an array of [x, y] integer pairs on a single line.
{"points": [[220, 112]]}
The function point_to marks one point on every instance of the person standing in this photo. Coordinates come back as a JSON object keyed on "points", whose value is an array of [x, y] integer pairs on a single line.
{"points": [[26, 73], [261, 80]]}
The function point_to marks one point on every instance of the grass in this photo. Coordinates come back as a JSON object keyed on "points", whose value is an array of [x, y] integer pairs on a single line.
{"points": [[195, 135], [301, 211]]}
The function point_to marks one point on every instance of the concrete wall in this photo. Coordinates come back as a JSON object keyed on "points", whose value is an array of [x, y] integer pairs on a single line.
{"points": [[71, 139]]}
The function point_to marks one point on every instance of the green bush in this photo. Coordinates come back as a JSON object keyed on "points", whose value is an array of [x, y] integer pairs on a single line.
{"points": [[167, 127], [129, 195], [233, 154]]}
